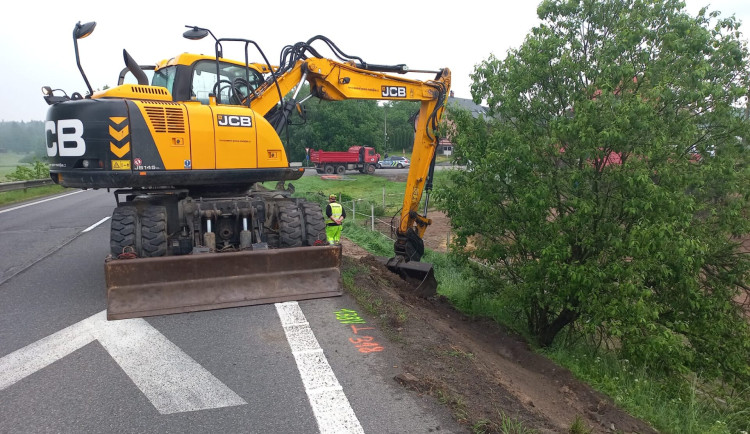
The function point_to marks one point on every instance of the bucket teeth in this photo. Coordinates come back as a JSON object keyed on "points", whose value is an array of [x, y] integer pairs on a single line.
{"points": [[420, 274]]}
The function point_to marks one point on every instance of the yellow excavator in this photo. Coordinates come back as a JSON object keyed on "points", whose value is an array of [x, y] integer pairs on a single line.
{"points": [[186, 151]]}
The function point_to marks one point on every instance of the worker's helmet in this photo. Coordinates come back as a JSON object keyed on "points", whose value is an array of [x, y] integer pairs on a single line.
{"points": [[332, 197]]}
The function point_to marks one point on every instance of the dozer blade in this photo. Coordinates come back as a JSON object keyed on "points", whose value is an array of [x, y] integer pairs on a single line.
{"points": [[420, 274], [176, 284]]}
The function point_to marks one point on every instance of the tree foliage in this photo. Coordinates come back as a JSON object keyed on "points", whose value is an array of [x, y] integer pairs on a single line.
{"points": [[337, 125], [610, 187], [36, 170]]}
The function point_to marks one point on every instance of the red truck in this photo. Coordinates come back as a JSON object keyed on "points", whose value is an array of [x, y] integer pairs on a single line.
{"points": [[362, 158]]}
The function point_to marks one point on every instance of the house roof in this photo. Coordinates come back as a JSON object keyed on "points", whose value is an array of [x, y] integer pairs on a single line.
{"points": [[468, 104]]}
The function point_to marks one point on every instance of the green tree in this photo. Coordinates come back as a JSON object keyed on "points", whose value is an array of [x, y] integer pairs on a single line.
{"points": [[610, 186], [337, 125]]}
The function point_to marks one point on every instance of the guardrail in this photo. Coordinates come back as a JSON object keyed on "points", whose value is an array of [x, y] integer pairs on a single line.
{"points": [[23, 185]]}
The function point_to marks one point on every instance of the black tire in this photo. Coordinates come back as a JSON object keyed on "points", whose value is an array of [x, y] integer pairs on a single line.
{"points": [[370, 169], [272, 240], [154, 232], [399, 166], [290, 226], [122, 233], [378, 166], [319, 171], [340, 170], [329, 170], [315, 224]]}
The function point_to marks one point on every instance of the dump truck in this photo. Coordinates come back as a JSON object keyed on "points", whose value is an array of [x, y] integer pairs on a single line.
{"points": [[188, 147], [361, 158]]}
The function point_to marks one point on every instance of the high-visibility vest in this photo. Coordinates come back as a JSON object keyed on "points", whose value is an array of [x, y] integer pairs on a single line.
{"points": [[336, 210]]}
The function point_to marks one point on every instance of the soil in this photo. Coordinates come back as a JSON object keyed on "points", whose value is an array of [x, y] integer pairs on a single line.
{"points": [[486, 375]]}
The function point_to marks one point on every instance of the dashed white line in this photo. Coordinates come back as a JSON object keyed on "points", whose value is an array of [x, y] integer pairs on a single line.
{"points": [[330, 405], [95, 225]]}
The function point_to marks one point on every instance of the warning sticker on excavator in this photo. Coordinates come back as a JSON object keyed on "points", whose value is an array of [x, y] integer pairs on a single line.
{"points": [[120, 164]]}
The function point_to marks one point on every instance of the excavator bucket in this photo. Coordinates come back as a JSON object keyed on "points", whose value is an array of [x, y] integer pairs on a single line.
{"points": [[420, 274], [176, 284]]}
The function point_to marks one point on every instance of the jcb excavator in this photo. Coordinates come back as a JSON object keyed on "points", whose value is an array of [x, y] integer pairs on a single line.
{"points": [[186, 153]]}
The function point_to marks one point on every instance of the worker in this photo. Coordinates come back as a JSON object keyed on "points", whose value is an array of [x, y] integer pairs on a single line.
{"points": [[335, 214]]}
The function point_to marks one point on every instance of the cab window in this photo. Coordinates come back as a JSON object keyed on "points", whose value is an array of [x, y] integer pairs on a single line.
{"points": [[205, 82], [164, 77]]}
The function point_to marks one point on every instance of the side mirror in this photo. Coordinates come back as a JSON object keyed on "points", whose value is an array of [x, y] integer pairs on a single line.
{"points": [[195, 34], [83, 30]]}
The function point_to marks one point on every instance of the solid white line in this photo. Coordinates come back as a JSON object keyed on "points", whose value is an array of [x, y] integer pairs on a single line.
{"points": [[330, 406], [37, 202], [95, 225], [169, 378]]}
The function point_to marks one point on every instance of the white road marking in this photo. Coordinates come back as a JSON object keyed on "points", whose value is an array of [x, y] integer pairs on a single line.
{"points": [[95, 225], [169, 378], [332, 410], [39, 201]]}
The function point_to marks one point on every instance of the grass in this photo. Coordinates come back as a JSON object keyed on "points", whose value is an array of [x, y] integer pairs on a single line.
{"points": [[8, 163], [30, 193], [670, 404]]}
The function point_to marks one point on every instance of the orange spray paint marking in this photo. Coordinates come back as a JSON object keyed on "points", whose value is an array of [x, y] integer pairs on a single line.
{"points": [[364, 344]]}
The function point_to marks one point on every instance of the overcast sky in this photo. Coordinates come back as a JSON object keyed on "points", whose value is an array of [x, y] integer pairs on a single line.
{"points": [[36, 42]]}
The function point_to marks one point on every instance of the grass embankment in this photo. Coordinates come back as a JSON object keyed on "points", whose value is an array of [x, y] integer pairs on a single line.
{"points": [[670, 404], [8, 163], [9, 197]]}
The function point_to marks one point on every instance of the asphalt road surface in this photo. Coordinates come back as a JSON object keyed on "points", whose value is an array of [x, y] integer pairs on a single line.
{"points": [[284, 368]]}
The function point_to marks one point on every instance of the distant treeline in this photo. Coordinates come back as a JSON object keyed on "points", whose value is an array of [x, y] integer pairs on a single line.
{"points": [[23, 137]]}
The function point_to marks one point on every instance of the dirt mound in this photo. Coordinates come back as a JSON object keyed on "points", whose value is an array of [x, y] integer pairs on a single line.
{"points": [[486, 375]]}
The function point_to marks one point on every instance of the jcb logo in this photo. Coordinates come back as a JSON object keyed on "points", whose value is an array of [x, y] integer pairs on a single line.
{"points": [[65, 138], [394, 91], [234, 121]]}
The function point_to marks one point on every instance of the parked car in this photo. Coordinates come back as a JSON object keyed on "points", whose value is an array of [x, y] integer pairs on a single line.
{"points": [[393, 161]]}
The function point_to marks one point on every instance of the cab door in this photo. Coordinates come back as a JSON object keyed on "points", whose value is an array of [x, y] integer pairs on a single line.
{"points": [[236, 137]]}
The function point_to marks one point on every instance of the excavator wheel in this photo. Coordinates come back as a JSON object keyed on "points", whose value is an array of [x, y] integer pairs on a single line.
{"points": [[315, 225], [123, 229], [272, 240], [290, 226], [154, 232]]}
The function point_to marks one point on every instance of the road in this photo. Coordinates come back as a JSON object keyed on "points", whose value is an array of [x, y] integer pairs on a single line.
{"points": [[288, 368]]}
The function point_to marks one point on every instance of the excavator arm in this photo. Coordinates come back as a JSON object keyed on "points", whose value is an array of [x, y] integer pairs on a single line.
{"points": [[350, 77], [336, 81]]}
